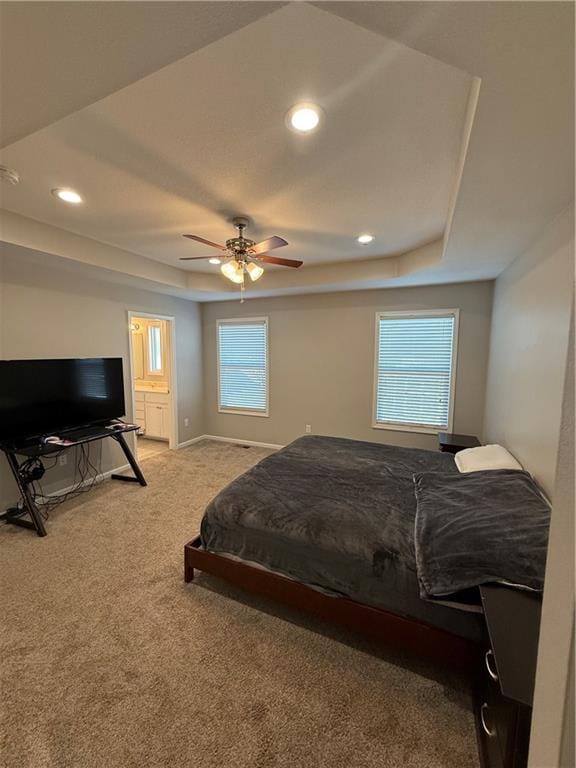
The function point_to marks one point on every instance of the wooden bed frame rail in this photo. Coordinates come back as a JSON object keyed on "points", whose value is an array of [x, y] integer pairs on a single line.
{"points": [[403, 634]]}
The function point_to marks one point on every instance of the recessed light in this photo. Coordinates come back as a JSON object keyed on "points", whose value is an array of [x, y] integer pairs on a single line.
{"points": [[68, 196], [305, 117], [214, 260], [365, 239]]}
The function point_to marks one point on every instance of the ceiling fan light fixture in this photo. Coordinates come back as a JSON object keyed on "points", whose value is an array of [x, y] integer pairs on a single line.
{"points": [[255, 271], [233, 271], [304, 117]]}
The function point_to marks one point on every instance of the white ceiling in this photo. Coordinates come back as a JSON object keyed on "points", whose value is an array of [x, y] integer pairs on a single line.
{"points": [[185, 147], [58, 57], [519, 171]]}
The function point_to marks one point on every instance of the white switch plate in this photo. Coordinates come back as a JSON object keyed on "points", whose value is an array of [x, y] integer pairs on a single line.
{"points": [[308, 428], [63, 460], [186, 422]]}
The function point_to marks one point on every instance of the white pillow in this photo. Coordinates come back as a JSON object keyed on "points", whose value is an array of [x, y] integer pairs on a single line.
{"points": [[485, 457]]}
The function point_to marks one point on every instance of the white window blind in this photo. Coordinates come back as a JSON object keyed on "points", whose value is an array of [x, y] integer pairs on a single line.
{"points": [[243, 366], [415, 361]]}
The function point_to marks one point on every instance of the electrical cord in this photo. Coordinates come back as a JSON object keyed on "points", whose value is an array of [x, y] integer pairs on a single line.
{"points": [[87, 471]]}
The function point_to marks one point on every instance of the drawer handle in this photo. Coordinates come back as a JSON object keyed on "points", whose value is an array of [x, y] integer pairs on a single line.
{"points": [[490, 655], [487, 730]]}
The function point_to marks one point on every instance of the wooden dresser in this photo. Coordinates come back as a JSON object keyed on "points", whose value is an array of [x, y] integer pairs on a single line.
{"points": [[506, 679]]}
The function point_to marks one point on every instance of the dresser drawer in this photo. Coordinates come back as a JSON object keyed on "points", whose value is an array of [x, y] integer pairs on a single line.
{"points": [[488, 733], [139, 397], [503, 725]]}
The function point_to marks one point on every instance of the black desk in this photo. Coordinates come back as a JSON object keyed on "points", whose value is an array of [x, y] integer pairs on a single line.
{"points": [[38, 448]]}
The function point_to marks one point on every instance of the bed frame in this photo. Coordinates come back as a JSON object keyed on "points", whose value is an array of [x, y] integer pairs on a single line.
{"points": [[406, 635]]}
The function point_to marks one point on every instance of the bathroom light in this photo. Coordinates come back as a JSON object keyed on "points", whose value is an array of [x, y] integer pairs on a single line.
{"points": [[233, 271], [365, 239], [215, 260], [304, 118], [68, 196], [254, 271]]}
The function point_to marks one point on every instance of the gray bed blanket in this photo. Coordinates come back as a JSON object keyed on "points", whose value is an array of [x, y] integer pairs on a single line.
{"points": [[332, 494], [337, 514], [479, 527]]}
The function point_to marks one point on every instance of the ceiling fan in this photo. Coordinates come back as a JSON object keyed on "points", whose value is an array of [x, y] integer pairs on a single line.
{"points": [[243, 255]]}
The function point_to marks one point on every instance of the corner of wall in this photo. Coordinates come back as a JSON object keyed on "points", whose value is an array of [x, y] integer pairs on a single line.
{"points": [[528, 350], [553, 717]]}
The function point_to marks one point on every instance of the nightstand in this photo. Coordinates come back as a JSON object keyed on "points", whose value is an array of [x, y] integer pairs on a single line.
{"points": [[452, 443]]}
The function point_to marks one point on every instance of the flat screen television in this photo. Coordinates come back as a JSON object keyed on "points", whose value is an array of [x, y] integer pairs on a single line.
{"points": [[47, 397]]}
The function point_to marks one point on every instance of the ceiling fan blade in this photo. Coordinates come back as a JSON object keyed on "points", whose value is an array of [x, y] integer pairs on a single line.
{"points": [[281, 262], [268, 245], [206, 242], [196, 258]]}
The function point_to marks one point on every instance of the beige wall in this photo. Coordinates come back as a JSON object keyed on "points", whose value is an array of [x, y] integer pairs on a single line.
{"points": [[49, 312], [552, 742], [1, 300], [322, 362], [530, 410], [528, 347]]}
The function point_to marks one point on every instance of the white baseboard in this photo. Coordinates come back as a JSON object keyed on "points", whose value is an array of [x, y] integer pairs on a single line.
{"points": [[98, 479], [186, 443], [238, 441]]}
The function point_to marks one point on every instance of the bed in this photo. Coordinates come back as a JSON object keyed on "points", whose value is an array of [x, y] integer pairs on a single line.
{"points": [[328, 525]]}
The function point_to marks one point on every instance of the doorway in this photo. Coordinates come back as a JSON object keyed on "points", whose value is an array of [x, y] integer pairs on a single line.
{"points": [[153, 382]]}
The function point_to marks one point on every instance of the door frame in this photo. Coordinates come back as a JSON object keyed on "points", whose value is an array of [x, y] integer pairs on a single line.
{"points": [[171, 320]]}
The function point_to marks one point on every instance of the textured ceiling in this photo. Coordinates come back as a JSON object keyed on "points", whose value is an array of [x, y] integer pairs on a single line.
{"points": [[183, 147], [187, 147], [519, 170], [58, 57]]}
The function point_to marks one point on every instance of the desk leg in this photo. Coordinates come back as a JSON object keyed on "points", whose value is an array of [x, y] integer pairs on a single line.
{"points": [[28, 499], [139, 477]]}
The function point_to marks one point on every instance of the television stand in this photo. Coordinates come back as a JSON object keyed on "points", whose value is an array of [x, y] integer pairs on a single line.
{"points": [[39, 447]]}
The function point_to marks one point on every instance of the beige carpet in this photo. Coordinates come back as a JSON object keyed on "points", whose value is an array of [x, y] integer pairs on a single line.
{"points": [[148, 447], [108, 660]]}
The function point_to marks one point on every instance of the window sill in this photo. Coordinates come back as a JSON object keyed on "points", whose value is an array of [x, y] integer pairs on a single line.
{"points": [[240, 412], [411, 428]]}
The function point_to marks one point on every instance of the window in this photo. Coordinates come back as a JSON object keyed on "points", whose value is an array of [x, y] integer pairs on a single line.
{"points": [[243, 366], [155, 363], [415, 369]]}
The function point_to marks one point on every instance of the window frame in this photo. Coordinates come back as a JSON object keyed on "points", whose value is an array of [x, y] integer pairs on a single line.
{"points": [[243, 411], [420, 428]]}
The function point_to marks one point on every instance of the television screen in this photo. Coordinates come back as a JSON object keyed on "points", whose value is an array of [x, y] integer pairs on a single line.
{"points": [[45, 397]]}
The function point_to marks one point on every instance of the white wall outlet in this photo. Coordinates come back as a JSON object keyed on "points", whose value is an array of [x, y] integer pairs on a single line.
{"points": [[186, 422], [63, 460], [308, 428]]}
